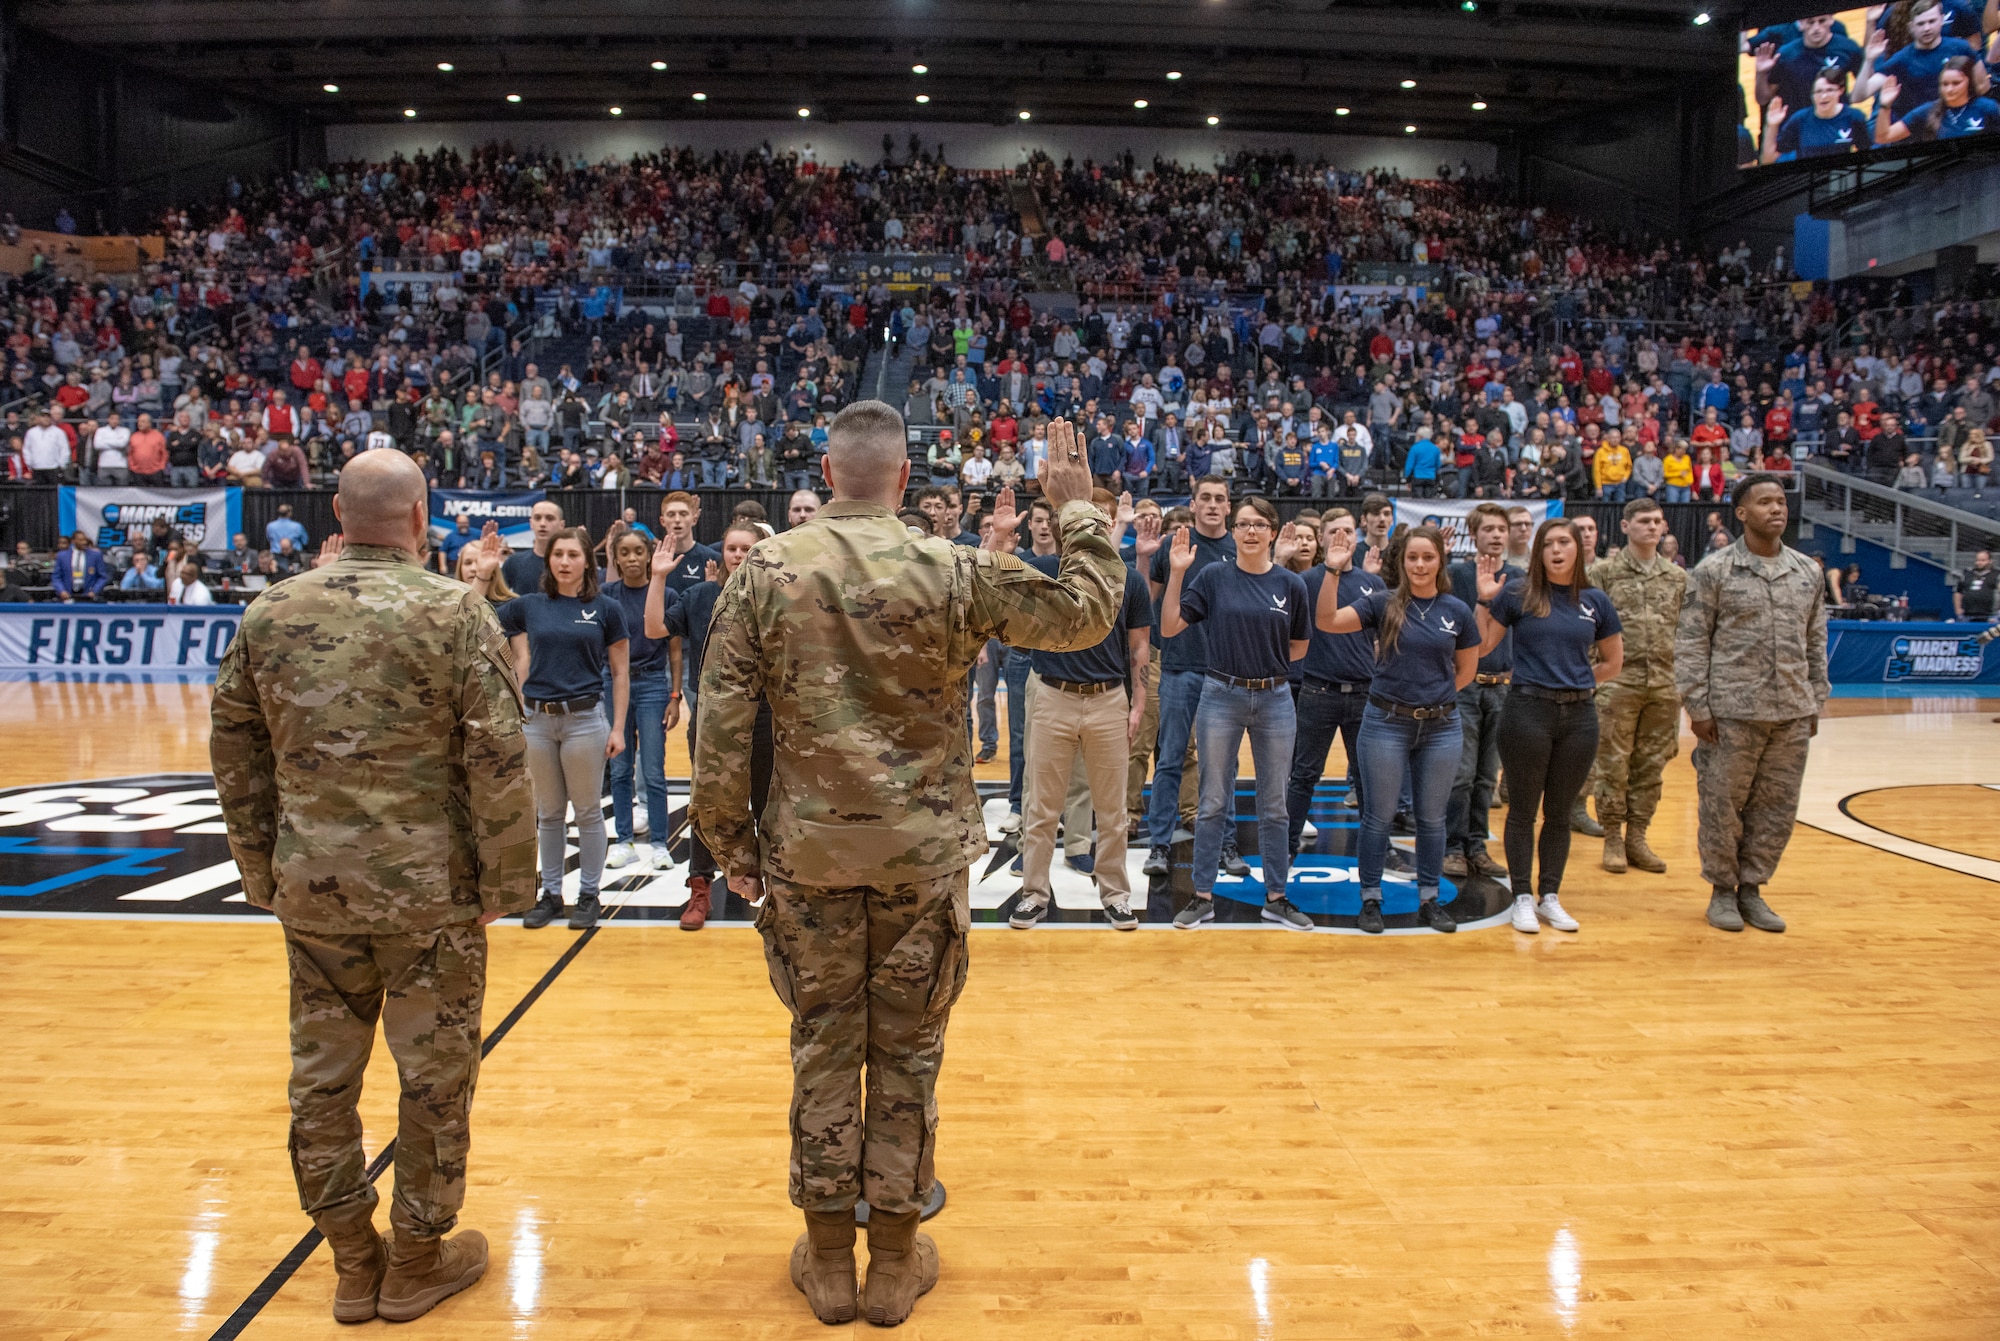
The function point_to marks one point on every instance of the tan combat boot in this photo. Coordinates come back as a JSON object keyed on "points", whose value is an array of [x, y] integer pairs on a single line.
{"points": [[423, 1273], [902, 1264], [823, 1266], [1639, 853], [1614, 847], [359, 1261]]}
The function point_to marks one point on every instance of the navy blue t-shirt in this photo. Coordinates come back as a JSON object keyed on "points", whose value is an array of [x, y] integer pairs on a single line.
{"points": [[523, 570], [1800, 65], [692, 569], [1111, 660], [689, 621], [1422, 671], [1346, 657], [1806, 135], [1979, 116], [1465, 585], [1553, 650], [569, 642], [648, 655], [1188, 649], [1917, 71], [1253, 618]]}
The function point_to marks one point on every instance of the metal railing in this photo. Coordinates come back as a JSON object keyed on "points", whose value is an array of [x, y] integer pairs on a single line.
{"points": [[1900, 521]]}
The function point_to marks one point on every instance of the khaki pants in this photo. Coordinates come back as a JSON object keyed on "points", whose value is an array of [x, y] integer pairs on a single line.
{"points": [[426, 988], [870, 975], [1141, 750], [1063, 730], [1076, 795]]}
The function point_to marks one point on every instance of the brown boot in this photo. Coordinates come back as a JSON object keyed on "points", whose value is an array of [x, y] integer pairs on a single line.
{"points": [[423, 1273], [902, 1264], [1639, 852], [1614, 847], [359, 1261], [695, 916], [823, 1266]]}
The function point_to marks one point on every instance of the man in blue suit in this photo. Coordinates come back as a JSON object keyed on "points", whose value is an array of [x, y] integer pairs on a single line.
{"points": [[79, 572]]}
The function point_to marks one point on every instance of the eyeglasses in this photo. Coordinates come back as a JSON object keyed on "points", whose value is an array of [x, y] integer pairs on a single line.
{"points": [[1254, 526]]}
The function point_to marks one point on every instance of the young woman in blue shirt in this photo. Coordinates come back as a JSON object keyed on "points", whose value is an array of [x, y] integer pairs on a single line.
{"points": [[1548, 730]]}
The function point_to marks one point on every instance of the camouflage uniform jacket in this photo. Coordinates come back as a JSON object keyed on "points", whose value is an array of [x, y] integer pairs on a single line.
{"points": [[859, 635], [1752, 639], [1648, 597], [367, 746]]}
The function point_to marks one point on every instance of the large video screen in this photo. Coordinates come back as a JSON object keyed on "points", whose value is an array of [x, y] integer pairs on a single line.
{"points": [[1855, 80]]}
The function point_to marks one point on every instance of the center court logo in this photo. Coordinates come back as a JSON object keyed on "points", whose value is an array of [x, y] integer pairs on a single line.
{"points": [[153, 844], [1933, 659]]}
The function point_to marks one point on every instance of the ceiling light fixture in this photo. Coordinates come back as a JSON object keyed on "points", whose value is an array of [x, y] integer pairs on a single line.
{"points": [[920, 69], [659, 65], [805, 111], [409, 111], [1479, 107], [513, 97], [1409, 130], [1409, 83], [1341, 111], [1215, 121], [1140, 103], [1173, 74], [331, 88], [1702, 19], [617, 111], [923, 97], [701, 97], [446, 66]]}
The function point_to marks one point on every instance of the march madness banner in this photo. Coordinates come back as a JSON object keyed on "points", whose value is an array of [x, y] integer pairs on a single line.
{"points": [[1449, 514], [206, 518], [511, 510]]}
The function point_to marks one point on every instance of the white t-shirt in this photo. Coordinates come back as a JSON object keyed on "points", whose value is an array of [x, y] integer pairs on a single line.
{"points": [[194, 593], [246, 462], [111, 443]]}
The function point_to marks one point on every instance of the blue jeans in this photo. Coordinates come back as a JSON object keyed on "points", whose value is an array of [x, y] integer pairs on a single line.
{"points": [[566, 765], [714, 474], [1015, 672], [184, 477], [795, 480], [1680, 493], [1180, 696], [645, 749], [1612, 493], [1429, 753], [1226, 712]]}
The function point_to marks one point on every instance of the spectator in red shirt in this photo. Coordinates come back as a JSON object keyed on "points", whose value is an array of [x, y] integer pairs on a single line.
{"points": [[1710, 433], [1778, 423], [72, 395]]}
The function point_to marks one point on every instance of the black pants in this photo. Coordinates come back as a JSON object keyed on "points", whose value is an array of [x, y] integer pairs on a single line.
{"points": [[1322, 713], [700, 861], [1547, 749]]}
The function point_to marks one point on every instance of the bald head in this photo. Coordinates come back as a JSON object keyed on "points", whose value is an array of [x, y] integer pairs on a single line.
{"points": [[867, 454], [381, 500]]}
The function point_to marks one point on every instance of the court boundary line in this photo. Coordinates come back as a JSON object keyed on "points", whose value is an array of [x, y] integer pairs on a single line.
{"points": [[1841, 806], [288, 1266]]}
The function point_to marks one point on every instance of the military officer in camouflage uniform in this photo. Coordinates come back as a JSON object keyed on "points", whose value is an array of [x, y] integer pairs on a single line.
{"points": [[859, 635], [1750, 660], [367, 747], [1639, 713]]}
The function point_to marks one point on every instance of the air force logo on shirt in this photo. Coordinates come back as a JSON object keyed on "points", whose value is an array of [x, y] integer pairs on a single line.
{"points": [[1278, 602], [693, 570], [1448, 625], [589, 617], [1845, 135], [1585, 612]]}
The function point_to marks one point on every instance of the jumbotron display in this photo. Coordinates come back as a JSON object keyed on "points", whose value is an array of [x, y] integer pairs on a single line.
{"points": [[1859, 80]]}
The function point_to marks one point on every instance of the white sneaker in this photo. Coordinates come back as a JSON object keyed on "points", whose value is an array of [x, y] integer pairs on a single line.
{"points": [[619, 854], [642, 853], [1011, 823], [1524, 914], [1550, 910]]}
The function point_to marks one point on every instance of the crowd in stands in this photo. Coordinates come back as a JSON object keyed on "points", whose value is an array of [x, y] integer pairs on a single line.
{"points": [[514, 320]]}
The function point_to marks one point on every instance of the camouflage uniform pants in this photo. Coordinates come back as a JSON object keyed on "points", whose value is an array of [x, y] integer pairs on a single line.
{"points": [[426, 988], [1142, 747], [1638, 732], [870, 975], [1748, 785]]}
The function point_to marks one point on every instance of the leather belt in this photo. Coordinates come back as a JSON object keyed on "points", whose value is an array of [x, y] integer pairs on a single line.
{"points": [[1241, 683], [564, 707], [1081, 688], [1555, 695], [1502, 677], [1336, 686], [1432, 713]]}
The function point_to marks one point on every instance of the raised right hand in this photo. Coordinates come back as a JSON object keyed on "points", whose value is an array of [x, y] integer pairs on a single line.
{"points": [[1065, 475], [1181, 557], [1146, 537], [664, 558], [1339, 552], [1491, 583]]}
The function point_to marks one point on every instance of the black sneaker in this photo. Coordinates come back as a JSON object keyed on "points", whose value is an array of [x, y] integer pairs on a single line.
{"points": [[1031, 911], [584, 916], [1434, 915], [1232, 861], [1158, 862], [1370, 920], [546, 910], [1405, 824], [1398, 863], [1119, 914], [1287, 915]]}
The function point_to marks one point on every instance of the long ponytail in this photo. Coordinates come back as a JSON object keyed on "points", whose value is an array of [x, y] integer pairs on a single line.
{"points": [[1399, 599]]}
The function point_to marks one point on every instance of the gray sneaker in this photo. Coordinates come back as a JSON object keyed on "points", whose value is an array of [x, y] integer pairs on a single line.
{"points": [[1287, 915], [1119, 914], [1031, 911], [1232, 862], [1196, 911], [1755, 911], [1723, 914]]}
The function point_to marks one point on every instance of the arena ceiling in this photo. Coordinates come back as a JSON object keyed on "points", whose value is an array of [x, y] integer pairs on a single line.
{"points": [[1477, 68]]}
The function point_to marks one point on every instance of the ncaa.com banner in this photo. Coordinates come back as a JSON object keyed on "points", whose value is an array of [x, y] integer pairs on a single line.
{"points": [[510, 509], [1449, 514], [206, 518], [115, 637]]}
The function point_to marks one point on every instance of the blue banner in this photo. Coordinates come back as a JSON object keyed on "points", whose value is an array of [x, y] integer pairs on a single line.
{"points": [[1867, 652], [206, 518], [116, 637], [510, 509]]}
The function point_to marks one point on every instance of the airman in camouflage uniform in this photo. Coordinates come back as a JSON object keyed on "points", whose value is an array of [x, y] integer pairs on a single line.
{"points": [[366, 741], [859, 634], [1750, 660], [1639, 712]]}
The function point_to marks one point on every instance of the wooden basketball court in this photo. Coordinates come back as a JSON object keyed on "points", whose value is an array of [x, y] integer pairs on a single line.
{"points": [[1650, 1128]]}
